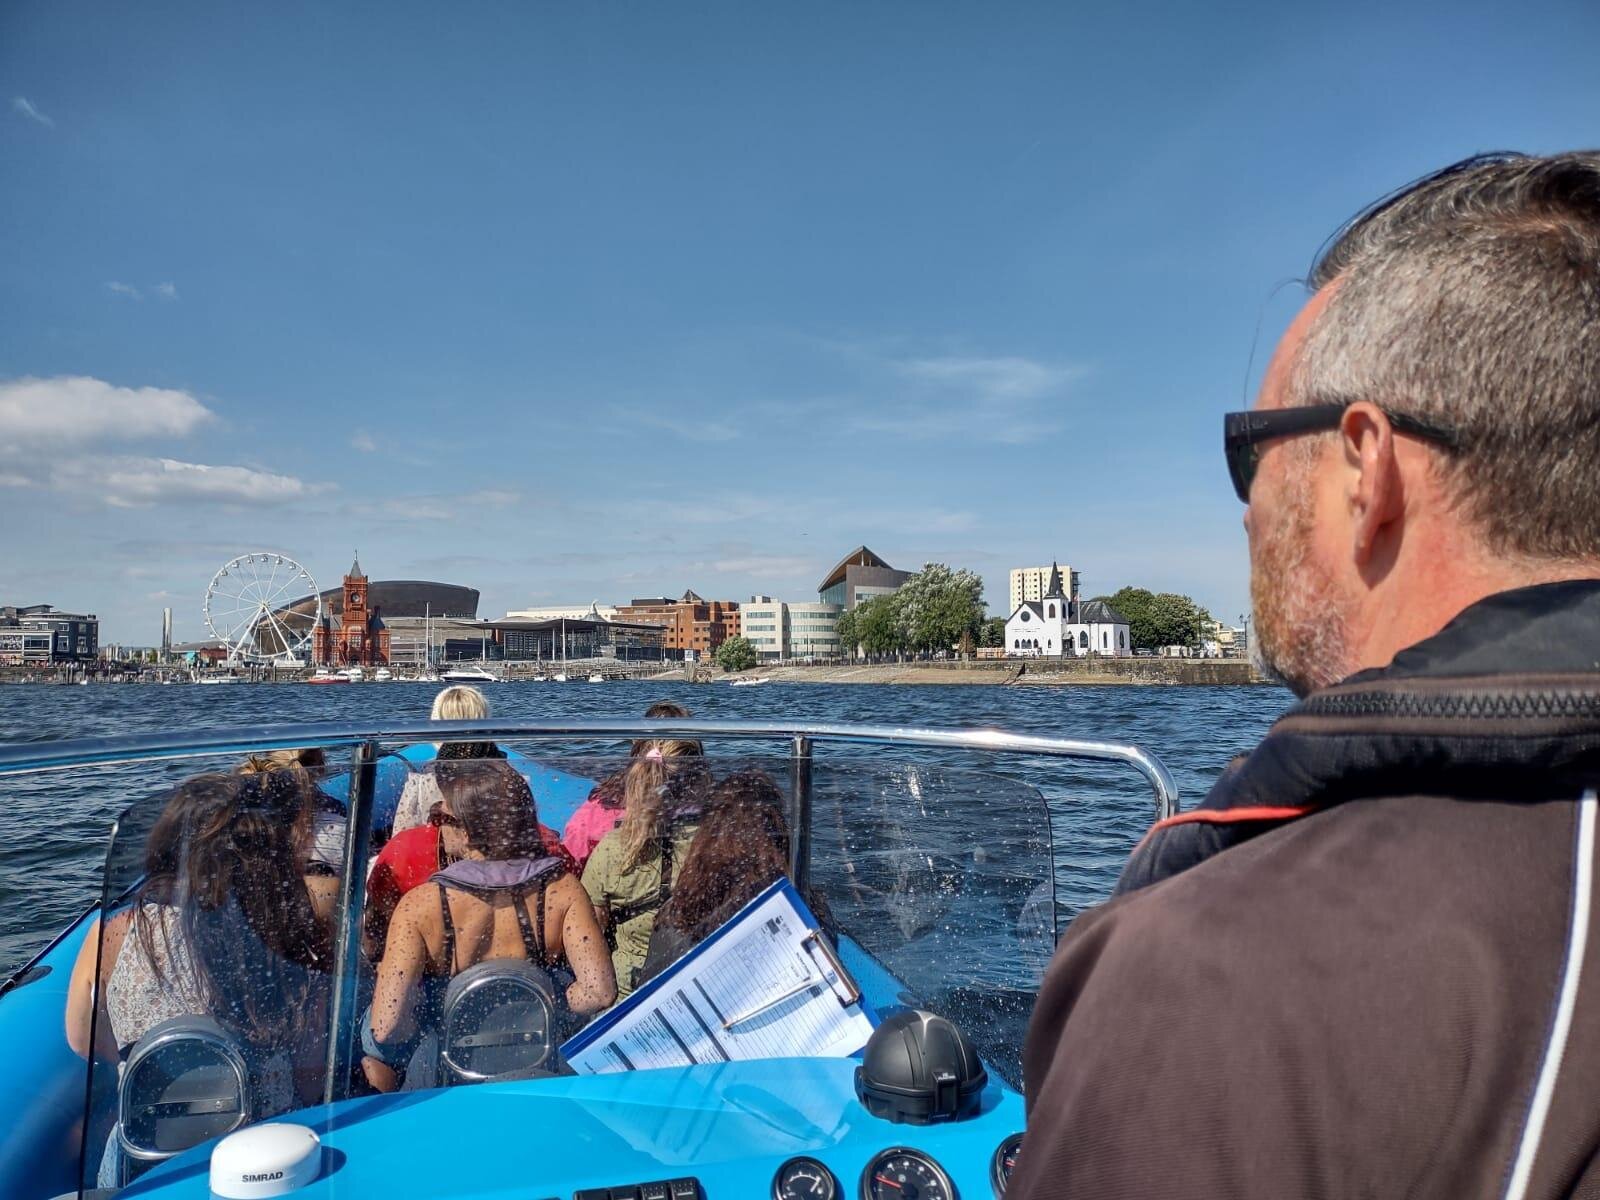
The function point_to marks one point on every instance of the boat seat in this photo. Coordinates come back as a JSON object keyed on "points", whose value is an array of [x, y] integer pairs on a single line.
{"points": [[497, 1021], [185, 1082]]}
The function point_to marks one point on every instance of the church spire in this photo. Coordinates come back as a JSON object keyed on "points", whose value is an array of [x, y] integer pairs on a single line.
{"points": [[355, 565], [1055, 588]]}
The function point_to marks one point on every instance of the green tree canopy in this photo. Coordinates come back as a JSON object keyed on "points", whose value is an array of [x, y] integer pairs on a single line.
{"points": [[939, 607], [1157, 619], [993, 632], [877, 624], [737, 654], [849, 634]]}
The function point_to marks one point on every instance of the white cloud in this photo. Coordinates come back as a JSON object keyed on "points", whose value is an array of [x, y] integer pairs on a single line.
{"points": [[167, 291], [23, 105], [128, 482], [1007, 399], [74, 410], [124, 289], [364, 443]]}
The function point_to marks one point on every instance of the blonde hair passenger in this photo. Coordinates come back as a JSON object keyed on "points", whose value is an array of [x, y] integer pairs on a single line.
{"points": [[460, 703]]}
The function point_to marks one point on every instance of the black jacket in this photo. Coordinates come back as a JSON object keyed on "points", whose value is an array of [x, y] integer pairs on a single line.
{"points": [[1363, 966]]}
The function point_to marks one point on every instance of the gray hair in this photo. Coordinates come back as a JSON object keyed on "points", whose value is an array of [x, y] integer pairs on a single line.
{"points": [[1472, 297]]}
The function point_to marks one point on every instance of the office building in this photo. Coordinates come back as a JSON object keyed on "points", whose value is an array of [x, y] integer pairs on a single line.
{"points": [[781, 631], [691, 622]]}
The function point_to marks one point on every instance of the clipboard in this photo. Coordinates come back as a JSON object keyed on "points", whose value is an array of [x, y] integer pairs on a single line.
{"points": [[754, 988]]}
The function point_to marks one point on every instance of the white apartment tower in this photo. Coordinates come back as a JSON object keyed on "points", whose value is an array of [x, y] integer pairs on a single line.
{"points": [[1031, 583]]}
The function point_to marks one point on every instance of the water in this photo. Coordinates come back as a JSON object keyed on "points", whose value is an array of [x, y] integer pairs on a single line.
{"points": [[56, 835]]}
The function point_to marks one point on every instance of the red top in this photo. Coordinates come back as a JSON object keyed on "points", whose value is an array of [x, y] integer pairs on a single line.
{"points": [[409, 858]]}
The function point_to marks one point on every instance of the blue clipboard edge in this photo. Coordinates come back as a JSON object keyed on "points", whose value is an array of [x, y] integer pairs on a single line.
{"points": [[602, 1026]]}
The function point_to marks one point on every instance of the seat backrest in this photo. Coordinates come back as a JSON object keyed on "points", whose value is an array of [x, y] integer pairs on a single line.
{"points": [[185, 1081], [498, 1020]]}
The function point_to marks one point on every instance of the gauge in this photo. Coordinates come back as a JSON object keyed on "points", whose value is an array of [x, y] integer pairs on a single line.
{"points": [[804, 1179], [903, 1174], [1004, 1162]]}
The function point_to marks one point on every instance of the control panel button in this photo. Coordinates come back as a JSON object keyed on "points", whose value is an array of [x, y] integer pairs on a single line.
{"points": [[685, 1189], [654, 1191]]}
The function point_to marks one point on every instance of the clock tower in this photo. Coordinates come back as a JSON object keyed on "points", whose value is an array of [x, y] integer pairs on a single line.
{"points": [[361, 640]]}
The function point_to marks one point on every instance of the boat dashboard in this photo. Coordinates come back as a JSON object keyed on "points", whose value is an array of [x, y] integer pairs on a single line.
{"points": [[789, 1129]]}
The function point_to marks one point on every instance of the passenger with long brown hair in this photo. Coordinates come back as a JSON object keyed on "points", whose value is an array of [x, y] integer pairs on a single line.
{"points": [[223, 927], [740, 848], [506, 897], [630, 874]]}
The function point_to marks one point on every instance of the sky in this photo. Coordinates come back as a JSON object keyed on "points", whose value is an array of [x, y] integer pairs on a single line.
{"points": [[573, 302]]}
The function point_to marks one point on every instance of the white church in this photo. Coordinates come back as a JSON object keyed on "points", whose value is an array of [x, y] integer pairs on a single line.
{"points": [[1057, 626]]}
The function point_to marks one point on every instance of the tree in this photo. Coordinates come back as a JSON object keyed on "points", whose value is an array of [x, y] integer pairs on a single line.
{"points": [[737, 654], [878, 627], [939, 607], [849, 635], [1157, 619], [992, 632]]}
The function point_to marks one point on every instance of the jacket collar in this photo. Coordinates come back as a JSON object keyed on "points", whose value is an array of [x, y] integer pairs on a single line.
{"points": [[1508, 691]]}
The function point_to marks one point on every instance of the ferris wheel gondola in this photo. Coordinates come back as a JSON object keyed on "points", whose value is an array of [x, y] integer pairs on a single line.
{"points": [[264, 608]]}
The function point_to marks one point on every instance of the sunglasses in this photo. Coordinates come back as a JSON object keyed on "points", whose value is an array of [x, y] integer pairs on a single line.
{"points": [[439, 819], [1243, 433]]}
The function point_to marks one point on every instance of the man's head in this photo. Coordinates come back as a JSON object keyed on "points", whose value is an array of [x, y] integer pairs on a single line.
{"points": [[1471, 302]]}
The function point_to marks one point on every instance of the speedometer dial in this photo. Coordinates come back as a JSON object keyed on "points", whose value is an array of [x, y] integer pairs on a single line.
{"points": [[904, 1174], [1005, 1162], [804, 1179]]}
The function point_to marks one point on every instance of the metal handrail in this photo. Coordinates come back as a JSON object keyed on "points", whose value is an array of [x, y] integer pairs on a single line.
{"points": [[19, 757]]}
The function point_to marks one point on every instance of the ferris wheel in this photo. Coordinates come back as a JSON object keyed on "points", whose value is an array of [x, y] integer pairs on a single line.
{"points": [[263, 607]]}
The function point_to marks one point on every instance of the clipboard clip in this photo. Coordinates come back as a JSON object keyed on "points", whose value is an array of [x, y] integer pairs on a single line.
{"points": [[833, 972]]}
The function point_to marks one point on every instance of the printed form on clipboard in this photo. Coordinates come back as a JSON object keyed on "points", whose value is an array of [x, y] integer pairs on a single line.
{"points": [[765, 984]]}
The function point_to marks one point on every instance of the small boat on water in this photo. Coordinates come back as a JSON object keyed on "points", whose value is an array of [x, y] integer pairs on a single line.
{"points": [[768, 1060], [353, 674], [751, 682], [328, 677], [559, 677], [469, 674], [597, 678], [382, 675]]}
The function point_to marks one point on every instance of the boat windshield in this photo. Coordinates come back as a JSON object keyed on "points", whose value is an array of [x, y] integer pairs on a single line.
{"points": [[525, 913]]}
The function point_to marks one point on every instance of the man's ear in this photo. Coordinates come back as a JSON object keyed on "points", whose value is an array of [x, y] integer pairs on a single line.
{"points": [[1375, 493]]}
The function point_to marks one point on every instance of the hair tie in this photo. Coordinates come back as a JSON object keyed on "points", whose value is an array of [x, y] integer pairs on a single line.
{"points": [[653, 754]]}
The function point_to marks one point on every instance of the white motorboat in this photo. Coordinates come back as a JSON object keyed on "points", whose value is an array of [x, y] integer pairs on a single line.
{"points": [[382, 675], [597, 678], [353, 674], [469, 674], [751, 682], [559, 677]]}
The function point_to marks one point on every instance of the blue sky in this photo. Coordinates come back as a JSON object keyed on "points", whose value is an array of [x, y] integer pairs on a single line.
{"points": [[573, 302]]}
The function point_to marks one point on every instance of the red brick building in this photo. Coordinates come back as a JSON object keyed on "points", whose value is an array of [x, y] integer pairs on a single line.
{"points": [[692, 623], [355, 636]]}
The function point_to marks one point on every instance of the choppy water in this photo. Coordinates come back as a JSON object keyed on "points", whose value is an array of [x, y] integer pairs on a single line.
{"points": [[55, 835]]}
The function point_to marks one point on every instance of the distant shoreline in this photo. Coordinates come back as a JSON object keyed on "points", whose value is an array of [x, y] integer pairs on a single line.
{"points": [[1072, 672]]}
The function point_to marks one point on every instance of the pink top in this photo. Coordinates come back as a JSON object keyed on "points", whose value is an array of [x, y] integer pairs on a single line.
{"points": [[593, 820]]}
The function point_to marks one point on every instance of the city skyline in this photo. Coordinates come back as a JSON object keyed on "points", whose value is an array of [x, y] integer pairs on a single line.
{"points": [[572, 304]]}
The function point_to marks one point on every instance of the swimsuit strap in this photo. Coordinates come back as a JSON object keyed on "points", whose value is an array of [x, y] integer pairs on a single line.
{"points": [[532, 942], [449, 934]]}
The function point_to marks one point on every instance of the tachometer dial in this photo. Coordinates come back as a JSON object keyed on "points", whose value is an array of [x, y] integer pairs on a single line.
{"points": [[903, 1174], [1003, 1163], [804, 1179]]}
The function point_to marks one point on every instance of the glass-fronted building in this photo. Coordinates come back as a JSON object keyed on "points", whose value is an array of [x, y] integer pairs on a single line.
{"points": [[785, 631], [859, 576]]}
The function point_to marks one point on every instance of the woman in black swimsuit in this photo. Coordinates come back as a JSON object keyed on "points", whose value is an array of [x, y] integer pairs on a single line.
{"points": [[505, 898]]}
